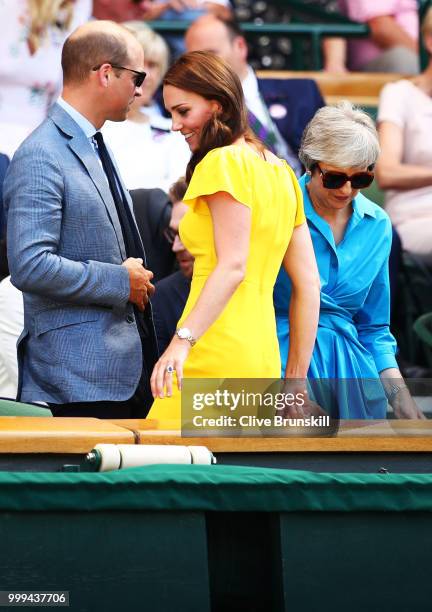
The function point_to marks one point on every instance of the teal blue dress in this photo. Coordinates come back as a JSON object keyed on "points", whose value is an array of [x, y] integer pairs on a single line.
{"points": [[353, 342]]}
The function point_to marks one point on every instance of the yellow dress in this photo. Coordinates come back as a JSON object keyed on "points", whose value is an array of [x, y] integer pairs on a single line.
{"points": [[242, 342]]}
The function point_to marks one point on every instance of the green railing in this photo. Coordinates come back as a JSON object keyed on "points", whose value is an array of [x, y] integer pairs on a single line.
{"points": [[330, 24], [314, 31]]}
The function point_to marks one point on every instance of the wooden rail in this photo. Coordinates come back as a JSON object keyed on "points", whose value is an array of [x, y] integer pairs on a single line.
{"points": [[80, 435], [362, 88]]}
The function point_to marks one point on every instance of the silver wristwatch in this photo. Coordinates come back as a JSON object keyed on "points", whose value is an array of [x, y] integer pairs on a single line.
{"points": [[185, 334]]}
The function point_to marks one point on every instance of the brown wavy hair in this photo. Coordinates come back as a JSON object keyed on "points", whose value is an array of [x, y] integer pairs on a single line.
{"points": [[207, 75]]}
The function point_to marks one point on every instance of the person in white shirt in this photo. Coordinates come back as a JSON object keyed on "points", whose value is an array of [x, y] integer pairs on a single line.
{"points": [[32, 36], [11, 326], [148, 154]]}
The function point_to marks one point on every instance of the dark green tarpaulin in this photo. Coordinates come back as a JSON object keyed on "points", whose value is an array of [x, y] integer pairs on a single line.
{"points": [[220, 488]]}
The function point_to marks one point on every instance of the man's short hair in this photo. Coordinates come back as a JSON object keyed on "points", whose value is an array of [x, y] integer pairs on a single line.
{"points": [[82, 53], [232, 26]]}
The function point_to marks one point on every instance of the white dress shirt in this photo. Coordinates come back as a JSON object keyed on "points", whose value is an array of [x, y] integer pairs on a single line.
{"points": [[256, 104], [254, 100], [147, 153]]}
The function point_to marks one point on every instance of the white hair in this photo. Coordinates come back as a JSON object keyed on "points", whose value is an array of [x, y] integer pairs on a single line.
{"points": [[342, 135]]}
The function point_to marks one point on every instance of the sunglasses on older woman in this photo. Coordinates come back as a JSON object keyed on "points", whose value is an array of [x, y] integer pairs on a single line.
{"points": [[336, 180]]}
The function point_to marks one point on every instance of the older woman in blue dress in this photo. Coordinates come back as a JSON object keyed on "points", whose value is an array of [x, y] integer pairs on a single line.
{"points": [[354, 354]]}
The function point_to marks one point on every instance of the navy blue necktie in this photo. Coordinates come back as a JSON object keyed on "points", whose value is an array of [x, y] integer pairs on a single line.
{"points": [[131, 237], [132, 240]]}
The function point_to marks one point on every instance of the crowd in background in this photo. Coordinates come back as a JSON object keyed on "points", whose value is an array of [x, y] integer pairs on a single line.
{"points": [[152, 158]]}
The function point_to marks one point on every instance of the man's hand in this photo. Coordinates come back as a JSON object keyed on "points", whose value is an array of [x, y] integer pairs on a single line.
{"points": [[141, 288]]}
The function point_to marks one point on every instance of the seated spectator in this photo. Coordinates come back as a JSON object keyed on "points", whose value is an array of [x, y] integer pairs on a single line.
{"points": [[405, 164], [4, 163], [352, 239], [148, 154], [393, 42], [128, 10], [278, 109], [4, 266], [4, 270], [32, 36], [188, 10], [165, 10], [153, 208], [172, 292], [11, 326], [119, 10]]}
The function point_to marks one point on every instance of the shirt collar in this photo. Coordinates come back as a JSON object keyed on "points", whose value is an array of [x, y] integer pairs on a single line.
{"points": [[250, 84], [362, 206], [87, 127]]}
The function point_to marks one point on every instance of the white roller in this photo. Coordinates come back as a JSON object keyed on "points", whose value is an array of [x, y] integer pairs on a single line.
{"points": [[150, 454], [118, 456], [201, 455], [110, 457]]}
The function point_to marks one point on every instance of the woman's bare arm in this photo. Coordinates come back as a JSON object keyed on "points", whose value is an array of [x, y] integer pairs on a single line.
{"points": [[392, 173], [300, 265]]}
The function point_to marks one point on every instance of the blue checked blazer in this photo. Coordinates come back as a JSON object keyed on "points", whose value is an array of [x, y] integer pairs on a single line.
{"points": [[65, 248]]}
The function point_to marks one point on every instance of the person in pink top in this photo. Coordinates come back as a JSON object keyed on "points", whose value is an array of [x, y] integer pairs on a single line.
{"points": [[404, 167], [393, 42]]}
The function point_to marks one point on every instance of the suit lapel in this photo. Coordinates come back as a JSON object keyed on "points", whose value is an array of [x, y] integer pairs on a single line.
{"points": [[82, 148], [268, 96]]}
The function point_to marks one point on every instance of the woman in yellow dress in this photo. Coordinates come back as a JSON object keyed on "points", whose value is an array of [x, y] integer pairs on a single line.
{"points": [[245, 218]]}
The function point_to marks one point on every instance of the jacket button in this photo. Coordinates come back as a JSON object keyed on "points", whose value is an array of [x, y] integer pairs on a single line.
{"points": [[130, 318]]}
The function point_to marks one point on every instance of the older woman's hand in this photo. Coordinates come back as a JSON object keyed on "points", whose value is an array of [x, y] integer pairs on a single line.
{"points": [[405, 407]]}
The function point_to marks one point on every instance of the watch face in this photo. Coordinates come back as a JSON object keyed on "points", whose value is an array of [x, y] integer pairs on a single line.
{"points": [[183, 332]]}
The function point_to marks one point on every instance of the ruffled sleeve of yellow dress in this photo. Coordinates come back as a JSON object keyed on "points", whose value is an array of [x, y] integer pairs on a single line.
{"points": [[222, 169]]}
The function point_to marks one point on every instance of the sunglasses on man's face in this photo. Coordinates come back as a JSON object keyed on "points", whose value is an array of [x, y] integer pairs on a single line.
{"points": [[336, 180], [138, 78]]}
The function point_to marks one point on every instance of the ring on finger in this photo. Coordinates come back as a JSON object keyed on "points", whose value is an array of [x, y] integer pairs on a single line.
{"points": [[169, 369]]}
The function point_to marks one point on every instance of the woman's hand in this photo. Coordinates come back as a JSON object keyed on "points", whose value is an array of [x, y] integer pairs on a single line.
{"points": [[399, 396], [405, 407], [297, 400], [171, 361]]}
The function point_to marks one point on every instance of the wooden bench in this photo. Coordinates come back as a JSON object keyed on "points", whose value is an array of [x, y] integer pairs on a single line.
{"points": [[362, 88], [20, 434], [353, 436]]}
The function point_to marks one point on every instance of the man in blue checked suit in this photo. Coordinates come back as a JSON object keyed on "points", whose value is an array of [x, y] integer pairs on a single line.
{"points": [[88, 345], [279, 109]]}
